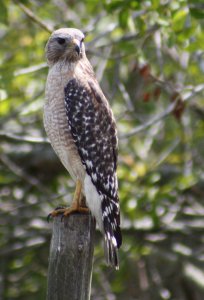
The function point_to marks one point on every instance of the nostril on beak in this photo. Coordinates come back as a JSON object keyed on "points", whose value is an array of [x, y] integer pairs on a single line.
{"points": [[77, 49]]}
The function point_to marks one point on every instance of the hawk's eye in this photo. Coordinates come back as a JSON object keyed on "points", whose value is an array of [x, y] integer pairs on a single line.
{"points": [[60, 41]]}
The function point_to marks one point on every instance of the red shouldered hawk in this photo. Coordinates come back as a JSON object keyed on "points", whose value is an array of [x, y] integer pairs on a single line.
{"points": [[82, 131]]}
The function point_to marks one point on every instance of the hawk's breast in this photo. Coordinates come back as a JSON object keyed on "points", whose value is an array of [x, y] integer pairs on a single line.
{"points": [[56, 124]]}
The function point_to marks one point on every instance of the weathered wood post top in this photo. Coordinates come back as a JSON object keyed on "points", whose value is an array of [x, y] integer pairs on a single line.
{"points": [[71, 258]]}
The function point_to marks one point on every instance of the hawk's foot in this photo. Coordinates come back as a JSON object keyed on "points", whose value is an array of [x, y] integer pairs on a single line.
{"points": [[57, 211], [73, 209], [76, 206], [65, 211]]}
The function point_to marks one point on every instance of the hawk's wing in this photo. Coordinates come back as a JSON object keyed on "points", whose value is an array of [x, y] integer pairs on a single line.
{"points": [[94, 132]]}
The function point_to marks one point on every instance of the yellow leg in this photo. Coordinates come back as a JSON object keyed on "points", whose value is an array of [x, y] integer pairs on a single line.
{"points": [[75, 205], [77, 194]]}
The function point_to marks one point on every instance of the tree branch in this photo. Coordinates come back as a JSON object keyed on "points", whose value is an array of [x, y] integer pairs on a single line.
{"points": [[164, 114], [16, 138], [30, 69], [19, 172], [151, 122], [33, 17]]}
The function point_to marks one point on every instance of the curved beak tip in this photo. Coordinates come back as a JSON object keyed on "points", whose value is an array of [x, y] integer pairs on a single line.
{"points": [[77, 46], [77, 49]]}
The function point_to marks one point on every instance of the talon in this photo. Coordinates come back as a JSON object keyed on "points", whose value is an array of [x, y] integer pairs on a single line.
{"points": [[57, 211]]}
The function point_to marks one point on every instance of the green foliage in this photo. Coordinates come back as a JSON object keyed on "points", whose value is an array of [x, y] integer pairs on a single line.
{"points": [[149, 59], [3, 13]]}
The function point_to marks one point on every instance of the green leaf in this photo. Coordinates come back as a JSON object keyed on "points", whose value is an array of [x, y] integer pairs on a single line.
{"points": [[155, 4], [112, 6], [197, 13], [123, 18], [3, 13], [196, 8], [179, 19]]}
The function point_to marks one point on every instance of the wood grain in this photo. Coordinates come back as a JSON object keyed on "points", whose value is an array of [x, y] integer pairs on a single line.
{"points": [[71, 258]]}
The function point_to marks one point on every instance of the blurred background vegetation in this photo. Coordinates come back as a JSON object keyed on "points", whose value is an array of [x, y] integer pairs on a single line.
{"points": [[149, 59]]}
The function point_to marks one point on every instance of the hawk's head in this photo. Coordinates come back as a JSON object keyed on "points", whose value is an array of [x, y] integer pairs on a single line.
{"points": [[65, 44]]}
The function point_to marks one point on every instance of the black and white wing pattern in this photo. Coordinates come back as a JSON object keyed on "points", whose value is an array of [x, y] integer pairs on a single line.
{"points": [[93, 129]]}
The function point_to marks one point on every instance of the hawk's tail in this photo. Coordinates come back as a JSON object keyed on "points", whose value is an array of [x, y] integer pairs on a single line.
{"points": [[112, 233], [111, 251]]}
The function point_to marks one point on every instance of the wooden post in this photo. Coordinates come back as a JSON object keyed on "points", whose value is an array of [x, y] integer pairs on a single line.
{"points": [[71, 257]]}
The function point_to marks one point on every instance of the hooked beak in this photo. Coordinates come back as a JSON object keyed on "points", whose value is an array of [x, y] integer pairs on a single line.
{"points": [[77, 46]]}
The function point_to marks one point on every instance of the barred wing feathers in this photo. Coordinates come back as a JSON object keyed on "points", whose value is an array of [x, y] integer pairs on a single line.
{"points": [[93, 130]]}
